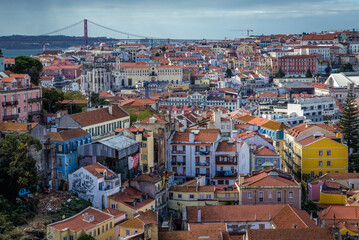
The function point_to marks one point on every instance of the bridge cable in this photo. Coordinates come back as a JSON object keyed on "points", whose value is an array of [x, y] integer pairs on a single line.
{"points": [[61, 29]]}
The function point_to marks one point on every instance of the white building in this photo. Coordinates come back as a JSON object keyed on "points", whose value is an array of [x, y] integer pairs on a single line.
{"points": [[95, 183], [98, 78]]}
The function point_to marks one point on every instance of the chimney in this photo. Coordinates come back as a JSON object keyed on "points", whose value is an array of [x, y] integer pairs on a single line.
{"points": [[241, 179], [199, 215], [110, 110]]}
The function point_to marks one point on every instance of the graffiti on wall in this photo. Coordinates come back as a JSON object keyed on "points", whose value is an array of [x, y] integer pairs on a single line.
{"points": [[83, 185]]}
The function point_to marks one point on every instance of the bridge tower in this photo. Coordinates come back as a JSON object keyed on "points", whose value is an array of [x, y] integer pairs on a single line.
{"points": [[85, 32]]}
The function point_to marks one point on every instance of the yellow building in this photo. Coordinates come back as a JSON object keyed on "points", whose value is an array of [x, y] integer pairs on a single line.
{"points": [[317, 155], [90, 221], [131, 201], [180, 196], [332, 198], [227, 195], [137, 224]]}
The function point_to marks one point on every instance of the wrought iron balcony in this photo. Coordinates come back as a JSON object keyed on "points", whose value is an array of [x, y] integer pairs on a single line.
{"points": [[11, 117], [37, 99], [10, 103]]}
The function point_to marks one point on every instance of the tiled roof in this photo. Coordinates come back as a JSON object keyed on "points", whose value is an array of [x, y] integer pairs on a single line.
{"points": [[191, 188], [264, 150], [98, 116], [290, 216], [264, 179], [147, 178], [158, 119], [98, 170], [273, 125], [114, 212], [77, 223], [139, 221], [68, 134], [292, 234], [129, 195], [341, 213], [226, 147], [15, 127], [338, 176]]}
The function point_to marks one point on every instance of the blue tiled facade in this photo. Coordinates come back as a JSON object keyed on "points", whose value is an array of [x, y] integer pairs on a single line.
{"points": [[67, 159], [261, 159], [273, 134]]}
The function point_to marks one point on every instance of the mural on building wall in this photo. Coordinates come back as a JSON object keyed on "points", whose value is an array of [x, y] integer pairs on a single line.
{"points": [[83, 185]]}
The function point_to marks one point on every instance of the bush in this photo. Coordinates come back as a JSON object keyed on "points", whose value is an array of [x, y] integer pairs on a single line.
{"points": [[68, 209]]}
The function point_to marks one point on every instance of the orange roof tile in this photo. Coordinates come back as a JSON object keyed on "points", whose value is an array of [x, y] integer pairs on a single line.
{"points": [[98, 170]]}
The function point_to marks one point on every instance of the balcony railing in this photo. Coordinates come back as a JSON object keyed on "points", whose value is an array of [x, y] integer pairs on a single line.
{"points": [[11, 117], [178, 152], [37, 99], [112, 177], [10, 103], [178, 163], [206, 164]]}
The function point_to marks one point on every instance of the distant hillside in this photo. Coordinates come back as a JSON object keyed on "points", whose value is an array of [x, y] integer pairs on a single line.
{"points": [[31, 42]]}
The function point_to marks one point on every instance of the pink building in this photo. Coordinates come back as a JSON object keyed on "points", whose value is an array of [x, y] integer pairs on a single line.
{"points": [[63, 67], [20, 101]]}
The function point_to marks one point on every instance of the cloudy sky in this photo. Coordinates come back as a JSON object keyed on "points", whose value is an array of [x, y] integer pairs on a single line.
{"points": [[178, 18]]}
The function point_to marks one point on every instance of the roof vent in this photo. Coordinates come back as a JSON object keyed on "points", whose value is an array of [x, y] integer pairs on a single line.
{"points": [[88, 218], [273, 174]]}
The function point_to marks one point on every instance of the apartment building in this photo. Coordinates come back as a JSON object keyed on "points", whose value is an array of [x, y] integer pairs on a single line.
{"points": [[20, 100], [192, 153], [297, 65], [274, 187]]}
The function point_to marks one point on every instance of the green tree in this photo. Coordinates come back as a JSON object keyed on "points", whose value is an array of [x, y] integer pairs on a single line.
{"points": [[87, 237], [229, 73], [51, 98], [328, 69], [95, 99], [28, 65], [280, 73], [70, 208], [348, 122], [310, 207], [308, 73], [345, 68], [163, 49], [76, 95], [354, 162], [0, 52], [17, 166]]}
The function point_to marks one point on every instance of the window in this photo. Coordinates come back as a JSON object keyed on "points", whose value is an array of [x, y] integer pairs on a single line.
{"points": [[328, 163], [106, 226], [261, 196], [208, 196], [65, 238], [270, 195], [197, 148], [113, 205], [110, 224], [127, 232], [171, 195], [103, 229], [98, 231], [70, 160], [201, 197], [277, 144], [290, 195], [320, 173], [329, 152], [191, 196], [279, 196], [59, 161], [249, 195], [59, 147], [320, 164], [320, 153], [179, 196], [312, 174], [144, 157], [261, 226], [94, 233]]}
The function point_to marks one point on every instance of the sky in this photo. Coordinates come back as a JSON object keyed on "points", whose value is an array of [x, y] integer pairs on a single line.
{"points": [[196, 19]]}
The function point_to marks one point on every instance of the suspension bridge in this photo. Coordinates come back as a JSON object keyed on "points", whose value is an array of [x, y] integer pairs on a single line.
{"points": [[130, 38]]}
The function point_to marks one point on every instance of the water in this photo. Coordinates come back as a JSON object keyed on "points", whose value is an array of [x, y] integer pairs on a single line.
{"points": [[9, 53]]}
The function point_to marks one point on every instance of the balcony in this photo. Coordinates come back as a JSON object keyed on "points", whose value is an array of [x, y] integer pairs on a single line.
{"points": [[175, 163], [11, 117], [9, 103], [201, 164], [178, 152], [34, 112], [112, 177], [37, 99], [202, 153]]}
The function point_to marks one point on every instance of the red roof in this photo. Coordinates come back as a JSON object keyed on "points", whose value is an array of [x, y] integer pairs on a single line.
{"points": [[264, 179], [98, 170]]}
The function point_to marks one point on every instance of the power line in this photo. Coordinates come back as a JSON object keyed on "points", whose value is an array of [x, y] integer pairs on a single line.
{"points": [[64, 28]]}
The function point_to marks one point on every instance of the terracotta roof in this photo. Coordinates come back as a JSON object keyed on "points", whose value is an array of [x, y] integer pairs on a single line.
{"points": [[147, 178], [290, 216], [318, 37], [264, 179], [341, 213], [226, 147], [114, 212], [129, 195], [292, 234], [338, 176], [158, 119], [264, 150], [68, 134], [77, 223], [98, 116], [139, 221], [234, 213], [273, 125], [98, 170], [15, 127]]}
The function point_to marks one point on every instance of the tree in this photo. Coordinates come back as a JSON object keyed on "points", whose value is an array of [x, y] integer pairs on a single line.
{"points": [[229, 73], [345, 68], [280, 73], [95, 99], [328, 69], [354, 162], [311, 208], [51, 98], [163, 49], [87, 237], [17, 167], [75, 95], [28, 65], [0, 52], [348, 122], [308, 73]]}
